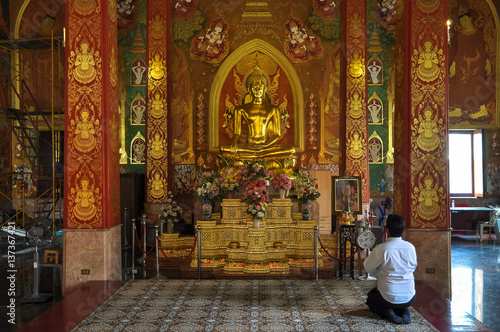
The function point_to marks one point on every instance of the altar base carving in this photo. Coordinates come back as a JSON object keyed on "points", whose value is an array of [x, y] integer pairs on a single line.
{"points": [[276, 164], [283, 240]]}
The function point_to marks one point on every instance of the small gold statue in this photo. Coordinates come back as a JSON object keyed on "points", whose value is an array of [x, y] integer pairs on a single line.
{"points": [[264, 125]]}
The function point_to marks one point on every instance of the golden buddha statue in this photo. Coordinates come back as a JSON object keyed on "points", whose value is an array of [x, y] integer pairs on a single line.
{"points": [[264, 127]]}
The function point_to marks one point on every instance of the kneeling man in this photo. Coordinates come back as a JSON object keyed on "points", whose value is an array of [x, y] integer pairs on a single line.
{"points": [[395, 260]]}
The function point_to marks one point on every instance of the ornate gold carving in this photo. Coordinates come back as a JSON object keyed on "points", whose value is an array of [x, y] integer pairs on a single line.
{"points": [[85, 200], [356, 146], [264, 122], [246, 64], [356, 66], [158, 186], [85, 131], [389, 158], [157, 106], [428, 6], [85, 7], [281, 242], [355, 26], [157, 147], [227, 67], [356, 106], [157, 29], [428, 139], [428, 69], [84, 70], [113, 68], [428, 206], [158, 67], [112, 10]]}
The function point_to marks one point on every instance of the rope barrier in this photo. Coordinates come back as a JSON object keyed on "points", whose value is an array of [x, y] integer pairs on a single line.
{"points": [[138, 244], [337, 259], [381, 236], [177, 260]]}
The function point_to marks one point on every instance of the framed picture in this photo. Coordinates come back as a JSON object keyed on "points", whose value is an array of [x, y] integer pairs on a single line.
{"points": [[347, 191]]}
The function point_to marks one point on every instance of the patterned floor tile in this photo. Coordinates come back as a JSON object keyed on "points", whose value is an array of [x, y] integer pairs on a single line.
{"points": [[242, 305]]}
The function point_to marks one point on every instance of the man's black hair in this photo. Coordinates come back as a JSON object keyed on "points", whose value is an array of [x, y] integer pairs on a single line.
{"points": [[395, 225]]}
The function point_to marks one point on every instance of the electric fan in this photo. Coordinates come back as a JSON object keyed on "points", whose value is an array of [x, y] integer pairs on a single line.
{"points": [[39, 235]]}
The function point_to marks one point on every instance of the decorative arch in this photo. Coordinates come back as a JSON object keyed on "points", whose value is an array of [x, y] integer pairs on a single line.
{"points": [[225, 70]]}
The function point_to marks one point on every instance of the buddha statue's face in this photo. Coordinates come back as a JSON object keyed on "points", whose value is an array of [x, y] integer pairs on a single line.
{"points": [[465, 21], [257, 88]]}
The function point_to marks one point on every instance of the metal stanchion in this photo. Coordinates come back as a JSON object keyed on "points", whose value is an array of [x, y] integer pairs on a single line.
{"points": [[157, 258], [161, 227], [316, 251], [199, 252], [144, 246], [125, 242], [133, 249]]}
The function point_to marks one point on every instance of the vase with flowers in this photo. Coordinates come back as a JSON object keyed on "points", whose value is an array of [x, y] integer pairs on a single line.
{"points": [[282, 183], [252, 171], [305, 188], [208, 191], [171, 213], [229, 183], [257, 197]]}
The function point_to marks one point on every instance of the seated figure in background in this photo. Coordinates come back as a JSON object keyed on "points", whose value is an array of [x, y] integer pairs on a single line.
{"points": [[264, 125]]}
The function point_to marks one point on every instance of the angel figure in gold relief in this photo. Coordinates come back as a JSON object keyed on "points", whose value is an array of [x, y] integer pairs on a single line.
{"points": [[428, 69], [85, 201], [211, 45], [301, 44]]}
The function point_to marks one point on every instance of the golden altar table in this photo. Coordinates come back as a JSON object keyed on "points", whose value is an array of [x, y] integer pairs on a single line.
{"points": [[283, 240]]}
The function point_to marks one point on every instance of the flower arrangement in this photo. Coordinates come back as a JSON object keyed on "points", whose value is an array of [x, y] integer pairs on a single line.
{"points": [[171, 210], [256, 195], [185, 178], [304, 187], [252, 171], [209, 187], [229, 182], [282, 181]]}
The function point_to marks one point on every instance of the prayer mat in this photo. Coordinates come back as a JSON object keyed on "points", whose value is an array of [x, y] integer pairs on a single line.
{"points": [[243, 305]]}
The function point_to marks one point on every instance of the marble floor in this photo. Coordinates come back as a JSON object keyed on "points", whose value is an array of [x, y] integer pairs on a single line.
{"points": [[475, 293], [475, 280]]}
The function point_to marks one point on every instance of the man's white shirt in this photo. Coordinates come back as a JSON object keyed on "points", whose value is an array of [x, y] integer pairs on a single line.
{"points": [[395, 260]]}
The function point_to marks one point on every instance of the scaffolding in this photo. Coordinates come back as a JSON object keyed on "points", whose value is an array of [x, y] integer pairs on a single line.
{"points": [[38, 135]]}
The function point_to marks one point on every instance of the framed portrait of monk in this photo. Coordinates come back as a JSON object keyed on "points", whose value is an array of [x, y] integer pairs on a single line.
{"points": [[346, 193]]}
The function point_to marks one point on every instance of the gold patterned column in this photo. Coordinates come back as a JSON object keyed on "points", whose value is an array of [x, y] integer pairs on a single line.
{"points": [[421, 131], [356, 121], [158, 101], [91, 173]]}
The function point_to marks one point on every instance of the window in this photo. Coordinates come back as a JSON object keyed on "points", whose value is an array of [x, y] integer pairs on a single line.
{"points": [[466, 163]]}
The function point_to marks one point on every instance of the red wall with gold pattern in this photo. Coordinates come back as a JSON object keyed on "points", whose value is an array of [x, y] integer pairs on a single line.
{"points": [[421, 168], [158, 111], [91, 147], [356, 122]]}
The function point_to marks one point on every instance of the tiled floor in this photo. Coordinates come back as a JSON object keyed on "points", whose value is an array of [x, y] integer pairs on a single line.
{"points": [[475, 277], [475, 280]]}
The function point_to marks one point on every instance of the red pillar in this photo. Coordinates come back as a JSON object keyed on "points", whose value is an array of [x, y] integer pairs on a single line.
{"points": [[159, 167], [355, 94], [421, 135], [91, 179]]}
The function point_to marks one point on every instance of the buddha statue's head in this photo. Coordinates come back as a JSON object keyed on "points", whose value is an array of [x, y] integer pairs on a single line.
{"points": [[257, 82]]}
